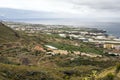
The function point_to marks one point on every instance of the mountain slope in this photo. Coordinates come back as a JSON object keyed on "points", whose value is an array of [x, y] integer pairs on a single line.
{"points": [[7, 34]]}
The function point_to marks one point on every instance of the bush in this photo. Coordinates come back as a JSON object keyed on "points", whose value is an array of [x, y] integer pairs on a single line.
{"points": [[4, 60], [109, 76], [117, 68]]}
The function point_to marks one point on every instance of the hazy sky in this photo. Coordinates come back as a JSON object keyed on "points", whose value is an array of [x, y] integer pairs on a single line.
{"points": [[95, 10]]}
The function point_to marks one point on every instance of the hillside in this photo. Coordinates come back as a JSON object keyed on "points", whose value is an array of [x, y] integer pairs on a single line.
{"points": [[24, 56], [112, 73], [7, 34]]}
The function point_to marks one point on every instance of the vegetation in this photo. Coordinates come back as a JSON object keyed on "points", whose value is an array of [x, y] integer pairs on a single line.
{"points": [[7, 34], [109, 76], [117, 68], [19, 60], [82, 48]]}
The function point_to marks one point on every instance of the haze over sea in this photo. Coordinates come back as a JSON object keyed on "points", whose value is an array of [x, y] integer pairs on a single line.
{"points": [[112, 28]]}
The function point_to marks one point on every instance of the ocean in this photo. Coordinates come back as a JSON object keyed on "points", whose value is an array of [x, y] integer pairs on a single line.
{"points": [[111, 28]]}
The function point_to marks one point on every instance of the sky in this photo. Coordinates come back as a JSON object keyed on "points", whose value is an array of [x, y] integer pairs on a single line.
{"points": [[85, 10]]}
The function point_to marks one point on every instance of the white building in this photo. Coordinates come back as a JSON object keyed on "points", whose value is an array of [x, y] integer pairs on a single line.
{"points": [[62, 35], [51, 47]]}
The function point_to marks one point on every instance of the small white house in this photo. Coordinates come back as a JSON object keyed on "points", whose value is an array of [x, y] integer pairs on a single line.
{"points": [[100, 37], [62, 35], [51, 47]]}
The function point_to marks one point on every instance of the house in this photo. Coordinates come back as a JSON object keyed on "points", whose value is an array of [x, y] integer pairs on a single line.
{"points": [[100, 37], [77, 52], [116, 39], [83, 32], [62, 35], [117, 47], [51, 47], [99, 45], [108, 46], [65, 52], [90, 55], [83, 39], [73, 36], [114, 52], [90, 40], [112, 46], [39, 48]]}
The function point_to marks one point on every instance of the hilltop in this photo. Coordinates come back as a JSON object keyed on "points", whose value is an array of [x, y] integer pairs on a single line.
{"points": [[7, 34]]}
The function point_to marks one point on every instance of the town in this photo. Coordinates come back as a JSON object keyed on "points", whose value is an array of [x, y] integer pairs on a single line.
{"points": [[98, 38], [64, 52]]}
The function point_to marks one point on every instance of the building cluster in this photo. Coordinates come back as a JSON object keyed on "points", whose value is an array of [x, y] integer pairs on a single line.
{"points": [[51, 50], [92, 35], [102, 40]]}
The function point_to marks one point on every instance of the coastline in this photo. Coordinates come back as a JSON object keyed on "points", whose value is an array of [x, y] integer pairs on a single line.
{"points": [[112, 29]]}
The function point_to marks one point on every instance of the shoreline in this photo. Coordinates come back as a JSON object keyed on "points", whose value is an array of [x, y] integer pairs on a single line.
{"points": [[109, 28]]}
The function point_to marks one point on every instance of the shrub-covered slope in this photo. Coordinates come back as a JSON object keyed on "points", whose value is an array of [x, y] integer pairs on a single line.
{"points": [[7, 34]]}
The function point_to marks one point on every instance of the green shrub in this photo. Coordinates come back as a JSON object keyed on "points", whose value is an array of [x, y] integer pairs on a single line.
{"points": [[117, 68], [109, 76]]}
